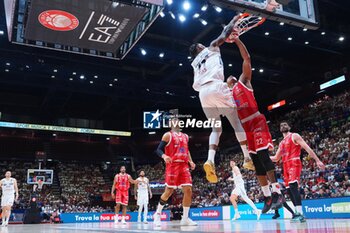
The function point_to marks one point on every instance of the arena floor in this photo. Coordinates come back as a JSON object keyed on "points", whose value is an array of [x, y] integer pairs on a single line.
{"points": [[266, 226]]}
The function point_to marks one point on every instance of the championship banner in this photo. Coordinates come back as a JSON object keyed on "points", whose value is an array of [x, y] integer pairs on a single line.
{"points": [[91, 24]]}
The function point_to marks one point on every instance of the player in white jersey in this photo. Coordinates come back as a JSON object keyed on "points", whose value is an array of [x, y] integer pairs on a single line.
{"points": [[216, 97], [239, 191], [142, 194], [9, 188]]}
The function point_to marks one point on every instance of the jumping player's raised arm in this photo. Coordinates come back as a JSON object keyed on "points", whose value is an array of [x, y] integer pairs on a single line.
{"points": [[246, 75], [225, 33], [160, 150], [299, 140]]}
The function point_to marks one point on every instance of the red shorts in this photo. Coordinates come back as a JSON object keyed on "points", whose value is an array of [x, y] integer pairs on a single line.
{"points": [[291, 171], [177, 175], [122, 197], [258, 134]]}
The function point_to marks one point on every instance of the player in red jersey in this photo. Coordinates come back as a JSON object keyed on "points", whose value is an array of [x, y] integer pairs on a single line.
{"points": [[289, 150], [174, 150], [121, 184], [258, 134]]}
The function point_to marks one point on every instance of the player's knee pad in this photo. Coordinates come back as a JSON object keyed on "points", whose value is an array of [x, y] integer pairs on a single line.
{"points": [[259, 167], [266, 160], [214, 137]]}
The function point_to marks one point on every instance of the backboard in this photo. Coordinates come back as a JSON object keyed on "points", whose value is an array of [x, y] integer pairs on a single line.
{"points": [[301, 13], [34, 175]]}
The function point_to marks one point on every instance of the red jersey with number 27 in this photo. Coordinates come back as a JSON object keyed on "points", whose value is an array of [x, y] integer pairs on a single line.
{"points": [[123, 183], [245, 100], [177, 148]]}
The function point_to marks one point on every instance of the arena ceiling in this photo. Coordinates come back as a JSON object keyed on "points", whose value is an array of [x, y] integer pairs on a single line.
{"points": [[157, 73]]}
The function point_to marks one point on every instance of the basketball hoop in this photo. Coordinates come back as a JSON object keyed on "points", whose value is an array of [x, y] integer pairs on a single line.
{"points": [[244, 23]]}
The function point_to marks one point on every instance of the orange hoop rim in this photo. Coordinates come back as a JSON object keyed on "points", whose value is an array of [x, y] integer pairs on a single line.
{"points": [[245, 15]]}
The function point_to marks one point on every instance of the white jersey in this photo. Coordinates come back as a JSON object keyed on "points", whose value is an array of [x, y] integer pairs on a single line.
{"points": [[238, 179], [239, 189], [8, 186], [207, 67], [142, 187]]}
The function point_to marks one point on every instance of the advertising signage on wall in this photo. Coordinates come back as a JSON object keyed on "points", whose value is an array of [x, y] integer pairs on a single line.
{"points": [[54, 128]]}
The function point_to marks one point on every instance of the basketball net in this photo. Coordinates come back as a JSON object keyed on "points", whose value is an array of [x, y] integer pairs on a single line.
{"points": [[245, 23], [38, 186]]}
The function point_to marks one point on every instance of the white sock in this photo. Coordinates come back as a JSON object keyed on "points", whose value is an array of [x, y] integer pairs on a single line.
{"points": [[140, 211], [186, 212], [236, 210], [116, 217], [245, 152], [159, 208], [145, 213], [266, 190], [299, 209], [249, 202], [123, 218], [276, 188], [211, 155]]}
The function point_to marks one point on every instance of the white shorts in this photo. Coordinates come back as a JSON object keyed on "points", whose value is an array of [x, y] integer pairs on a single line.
{"points": [[216, 99], [142, 199], [7, 200], [239, 190]]}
